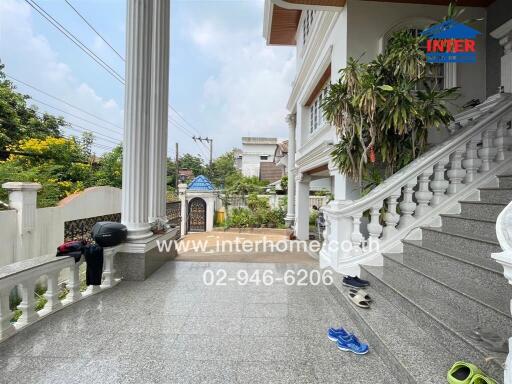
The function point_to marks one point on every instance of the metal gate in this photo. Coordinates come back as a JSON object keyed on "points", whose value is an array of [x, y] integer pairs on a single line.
{"points": [[197, 215]]}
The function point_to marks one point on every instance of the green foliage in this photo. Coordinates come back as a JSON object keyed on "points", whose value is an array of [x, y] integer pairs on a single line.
{"points": [[284, 184], [110, 168], [312, 217], [19, 121], [245, 185], [195, 163], [224, 173], [257, 214], [382, 110]]}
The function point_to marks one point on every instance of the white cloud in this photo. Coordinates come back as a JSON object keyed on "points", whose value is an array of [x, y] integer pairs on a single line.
{"points": [[251, 88], [30, 57]]}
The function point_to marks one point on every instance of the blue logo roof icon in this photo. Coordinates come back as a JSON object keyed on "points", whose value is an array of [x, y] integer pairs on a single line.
{"points": [[450, 29]]}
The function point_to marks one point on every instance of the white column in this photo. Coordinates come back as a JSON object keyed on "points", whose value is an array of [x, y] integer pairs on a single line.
{"points": [[134, 210], [23, 198], [291, 119], [504, 34], [182, 188], [159, 110], [302, 213]]}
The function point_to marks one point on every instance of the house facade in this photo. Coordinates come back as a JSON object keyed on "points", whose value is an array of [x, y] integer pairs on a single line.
{"points": [[326, 34], [256, 150]]}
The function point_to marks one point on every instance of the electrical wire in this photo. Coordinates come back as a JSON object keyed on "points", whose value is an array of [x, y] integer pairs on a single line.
{"points": [[94, 29]]}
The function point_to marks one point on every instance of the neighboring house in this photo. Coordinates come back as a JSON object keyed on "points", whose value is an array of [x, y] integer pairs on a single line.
{"points": [[185, 174], [256, 150], [237, 153]]}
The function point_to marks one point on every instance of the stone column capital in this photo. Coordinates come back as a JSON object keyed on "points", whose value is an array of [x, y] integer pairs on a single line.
{"points": [[504, 35], [291, 119]]}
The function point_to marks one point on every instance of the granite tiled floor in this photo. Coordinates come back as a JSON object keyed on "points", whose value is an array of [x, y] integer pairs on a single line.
{"points": [[172, 328]]}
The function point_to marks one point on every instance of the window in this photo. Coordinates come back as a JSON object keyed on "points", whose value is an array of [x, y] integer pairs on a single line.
{"points": [[264, 157], [307, 23], [316, 114]]}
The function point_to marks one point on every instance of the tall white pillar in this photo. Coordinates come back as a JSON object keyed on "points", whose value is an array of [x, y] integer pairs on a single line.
{"points": [[23, 198], [290, 214], [302, 213], [134, 209], [159, 110], [504, 34]]}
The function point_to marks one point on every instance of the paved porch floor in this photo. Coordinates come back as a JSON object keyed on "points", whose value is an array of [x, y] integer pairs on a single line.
{"points": [[172, 328]]}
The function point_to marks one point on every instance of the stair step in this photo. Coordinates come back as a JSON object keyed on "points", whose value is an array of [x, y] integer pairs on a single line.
{"points": [[481, 210], [480, 283], [496, 195], [468, 248], [470, 226], [441, 312], [412, 353], [505, 181]]}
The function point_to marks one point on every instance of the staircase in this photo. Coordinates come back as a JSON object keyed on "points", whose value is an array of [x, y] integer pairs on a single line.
{"points": [[427, 298], [433, 280]]}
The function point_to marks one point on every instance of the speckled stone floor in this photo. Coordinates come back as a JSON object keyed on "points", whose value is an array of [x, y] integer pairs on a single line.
{"points": [[172, 328]]}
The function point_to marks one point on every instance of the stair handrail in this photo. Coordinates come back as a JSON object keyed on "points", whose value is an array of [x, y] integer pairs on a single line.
{"points": [[426, 160]]}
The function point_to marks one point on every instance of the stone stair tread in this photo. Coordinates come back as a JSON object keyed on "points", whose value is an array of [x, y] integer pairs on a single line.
{"points": [[439, 307], [417, 352], [481, 202], [473, 290], [432, 248], [472, 237], [495, 189], [458, 216]]}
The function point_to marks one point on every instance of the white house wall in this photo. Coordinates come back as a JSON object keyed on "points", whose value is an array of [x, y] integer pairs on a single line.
{"points": [[251, 157]]}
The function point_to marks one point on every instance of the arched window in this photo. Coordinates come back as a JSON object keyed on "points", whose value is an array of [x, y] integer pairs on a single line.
{"points": [[440, 75]]}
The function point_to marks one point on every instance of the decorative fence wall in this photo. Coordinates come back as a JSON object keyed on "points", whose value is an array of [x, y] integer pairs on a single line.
{"points": [[173, 211], [274, 201], [81, 229]]}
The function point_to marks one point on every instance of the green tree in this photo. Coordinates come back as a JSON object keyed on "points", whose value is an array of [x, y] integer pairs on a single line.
{"points": [[110, 168], [19, 121], [195, 163], [224, 173]]}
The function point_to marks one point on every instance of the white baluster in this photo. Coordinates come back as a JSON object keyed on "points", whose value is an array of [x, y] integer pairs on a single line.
{"points": [[73, 285], [407, 205], [27, 304], [471, 162], [374, 227], [456, 173], [52, 293], [391, 217], [356, 236], [423, 195], [6, 328], [439, 184], [108, 267], [488, 150], [501, 140]]}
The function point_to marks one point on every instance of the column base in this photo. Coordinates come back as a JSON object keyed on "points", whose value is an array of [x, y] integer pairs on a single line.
{"points": [[139, 258], [289, 220], [138, 232]]}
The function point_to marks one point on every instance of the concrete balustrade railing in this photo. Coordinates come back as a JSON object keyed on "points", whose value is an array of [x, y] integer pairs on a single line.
{"points": [[360, 231], [24, 276]]}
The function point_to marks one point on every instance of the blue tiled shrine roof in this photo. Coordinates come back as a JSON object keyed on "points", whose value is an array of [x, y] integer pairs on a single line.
{"points": [[201, 183]]}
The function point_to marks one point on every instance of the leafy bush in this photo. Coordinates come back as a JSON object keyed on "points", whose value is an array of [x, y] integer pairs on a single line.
{"points": [[312, 217]]}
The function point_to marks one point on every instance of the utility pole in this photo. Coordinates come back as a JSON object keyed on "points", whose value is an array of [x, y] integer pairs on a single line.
{"points": [[177, 167], [209, 141]]}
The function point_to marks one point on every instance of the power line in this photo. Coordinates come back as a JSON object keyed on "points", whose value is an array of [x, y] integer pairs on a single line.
{"points": [[61, 100], [94, 29], [75, 40], [75, 116], [84, 48]]}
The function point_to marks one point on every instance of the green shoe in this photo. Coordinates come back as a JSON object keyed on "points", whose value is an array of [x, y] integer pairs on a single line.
{"points": [[462, 373], [481, 379]]}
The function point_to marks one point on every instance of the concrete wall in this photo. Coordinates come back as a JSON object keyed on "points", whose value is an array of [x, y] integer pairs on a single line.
{"points": [[49, 225], [497, 13], [251, 157]]}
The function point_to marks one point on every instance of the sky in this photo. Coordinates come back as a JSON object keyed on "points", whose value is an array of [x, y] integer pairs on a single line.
{"points": [[225, 82]]}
